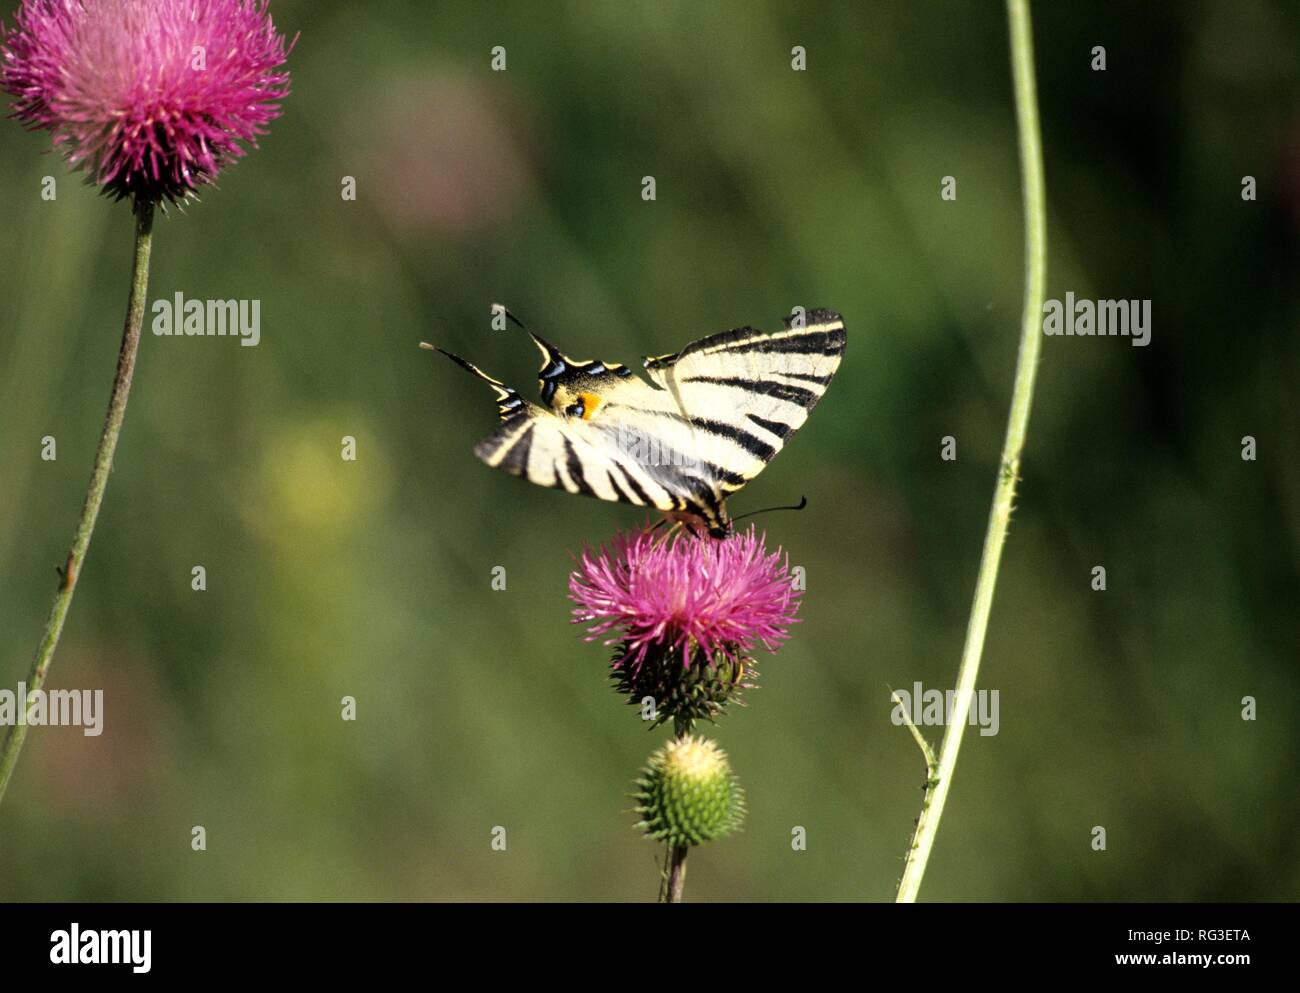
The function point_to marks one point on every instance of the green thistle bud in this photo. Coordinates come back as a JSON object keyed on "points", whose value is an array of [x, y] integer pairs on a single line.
{"points": [[698, 692], [687, 793]]}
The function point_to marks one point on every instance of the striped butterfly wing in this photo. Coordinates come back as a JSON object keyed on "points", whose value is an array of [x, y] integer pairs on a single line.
{"points": [[604, 432], [746, 392], [725, 406]]}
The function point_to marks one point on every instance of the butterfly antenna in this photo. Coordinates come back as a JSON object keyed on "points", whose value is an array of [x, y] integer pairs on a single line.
{"points": [[501, 308], [553, 360], [803, 502]]}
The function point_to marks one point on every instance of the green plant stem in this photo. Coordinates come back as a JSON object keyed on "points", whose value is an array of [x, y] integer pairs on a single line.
{"points": [[1031, 169], [144, 210], [677, 873], [676, 882]]}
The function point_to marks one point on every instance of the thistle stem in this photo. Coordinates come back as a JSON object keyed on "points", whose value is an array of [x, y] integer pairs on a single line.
{"points": [[677, 873], [71, 571], [676, 884], [1031, 168]]}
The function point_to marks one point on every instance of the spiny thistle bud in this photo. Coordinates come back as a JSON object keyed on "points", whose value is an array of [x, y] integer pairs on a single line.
{"points": [[698, 692], [687, 794]]}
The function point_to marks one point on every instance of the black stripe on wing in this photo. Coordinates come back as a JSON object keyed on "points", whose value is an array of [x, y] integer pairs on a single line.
{"points": [[515, 460], [814, 317], [722, 338], [639, 495], [751, 443], [819, 332], [573, 467], [509, 445], [794, 343], [806, 377], [778, 391], [778, 428], [622, 494]]}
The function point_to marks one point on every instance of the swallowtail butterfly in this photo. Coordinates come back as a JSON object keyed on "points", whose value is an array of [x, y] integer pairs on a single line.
{"points": [[718, 411]]}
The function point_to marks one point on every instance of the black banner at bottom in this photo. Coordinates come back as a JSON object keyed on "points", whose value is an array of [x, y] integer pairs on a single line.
{"points": [[148, 942]]}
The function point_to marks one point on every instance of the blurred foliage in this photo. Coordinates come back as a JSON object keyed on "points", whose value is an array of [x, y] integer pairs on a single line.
{"points": [[479, 708]]}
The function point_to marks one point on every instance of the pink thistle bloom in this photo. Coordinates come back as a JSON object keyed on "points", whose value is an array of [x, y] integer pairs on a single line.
{"points": [[151, 97], [676, 594]]}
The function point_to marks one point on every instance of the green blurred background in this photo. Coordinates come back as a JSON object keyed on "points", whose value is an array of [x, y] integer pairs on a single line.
{"points": [[776, 188]]}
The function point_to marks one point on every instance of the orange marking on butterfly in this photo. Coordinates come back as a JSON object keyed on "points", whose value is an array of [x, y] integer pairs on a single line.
{"points": [[590, 401]]}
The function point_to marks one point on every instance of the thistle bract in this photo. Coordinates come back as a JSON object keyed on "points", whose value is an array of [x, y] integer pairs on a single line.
{"points": [[669, 691]]}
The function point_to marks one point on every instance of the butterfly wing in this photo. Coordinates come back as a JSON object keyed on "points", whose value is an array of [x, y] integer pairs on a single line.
{"points": [[604, 433], [726, 405], [746, 392]]}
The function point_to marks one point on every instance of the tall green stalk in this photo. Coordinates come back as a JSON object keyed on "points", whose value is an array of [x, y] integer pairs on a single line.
{"points": [[1031, 170], [144, 210]]}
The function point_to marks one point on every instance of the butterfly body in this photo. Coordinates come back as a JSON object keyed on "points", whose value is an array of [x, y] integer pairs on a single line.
{"points": [[718, 411]]}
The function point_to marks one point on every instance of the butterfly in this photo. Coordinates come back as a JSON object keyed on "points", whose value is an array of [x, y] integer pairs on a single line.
{"points": [[718, 411]]}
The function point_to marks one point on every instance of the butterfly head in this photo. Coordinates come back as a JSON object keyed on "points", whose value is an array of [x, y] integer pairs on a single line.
{"points": [[574, 387]]}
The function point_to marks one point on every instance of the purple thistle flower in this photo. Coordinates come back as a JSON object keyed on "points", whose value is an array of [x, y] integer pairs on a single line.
{"points": [[151, 97], [672, 595]]}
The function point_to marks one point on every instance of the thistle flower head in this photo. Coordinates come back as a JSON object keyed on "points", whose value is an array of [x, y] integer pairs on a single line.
{"points": [[686, 596], [687, 793], [150, 97]]}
